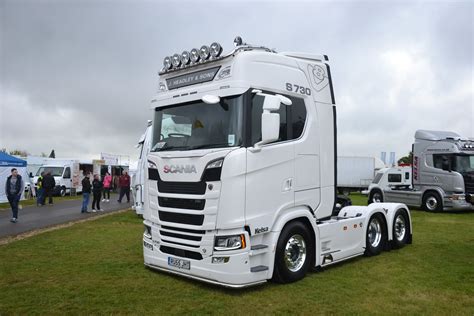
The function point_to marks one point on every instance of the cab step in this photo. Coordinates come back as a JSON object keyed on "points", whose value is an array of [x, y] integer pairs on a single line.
{"points": [[258, 247], [258, 269]]}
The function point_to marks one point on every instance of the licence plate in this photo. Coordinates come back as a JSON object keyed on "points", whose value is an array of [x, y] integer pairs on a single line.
{"points": [[179, 263]]}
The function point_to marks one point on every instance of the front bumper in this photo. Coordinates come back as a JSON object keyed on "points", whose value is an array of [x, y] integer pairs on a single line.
{"points": [[233, 274], [457, 205]]}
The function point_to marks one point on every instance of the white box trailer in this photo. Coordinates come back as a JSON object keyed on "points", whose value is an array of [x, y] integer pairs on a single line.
{"points": [[240, 180], [354, 173]]}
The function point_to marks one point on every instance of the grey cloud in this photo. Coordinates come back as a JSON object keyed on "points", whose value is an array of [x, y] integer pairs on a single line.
{"points": [[99, 59]]}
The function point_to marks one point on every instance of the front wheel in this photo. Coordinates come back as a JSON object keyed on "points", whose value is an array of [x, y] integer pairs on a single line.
{"points": [[376, 235], [63, 192], [293, 254], [375, 196], [432, 202]]}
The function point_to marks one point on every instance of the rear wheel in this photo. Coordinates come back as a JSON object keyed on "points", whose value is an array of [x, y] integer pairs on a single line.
{"points": [[293, 254], [432, 202], [376, 235], [401, 229], [375, 196]]}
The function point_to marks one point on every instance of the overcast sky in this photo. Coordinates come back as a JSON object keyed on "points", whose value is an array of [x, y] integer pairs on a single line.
{"points": [[78, 76]]}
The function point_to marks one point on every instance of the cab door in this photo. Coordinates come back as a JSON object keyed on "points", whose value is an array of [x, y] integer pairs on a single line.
{"points": [[270, 171]]}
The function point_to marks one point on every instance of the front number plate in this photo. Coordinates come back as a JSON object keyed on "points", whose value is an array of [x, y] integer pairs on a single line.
{"points": [[179, 263]]}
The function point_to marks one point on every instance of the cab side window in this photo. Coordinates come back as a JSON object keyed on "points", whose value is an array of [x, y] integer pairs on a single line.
{"points": [[67, 173], [292, 119], [441, 162]]}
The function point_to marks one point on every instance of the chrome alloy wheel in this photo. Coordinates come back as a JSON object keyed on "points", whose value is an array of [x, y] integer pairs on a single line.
{"points": [[375, 232], [431, 203], [400, 227], [295, 253]]}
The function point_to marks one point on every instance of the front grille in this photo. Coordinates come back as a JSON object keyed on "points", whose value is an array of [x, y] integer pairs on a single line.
{"points": [[189, 219], [181, 253], [469, 182], [185, 230], [181, 236], [192, 204], [197, 188]]}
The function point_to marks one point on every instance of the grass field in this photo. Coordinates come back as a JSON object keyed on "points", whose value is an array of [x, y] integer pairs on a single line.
{"points": [[29, 202], [97, 268]]}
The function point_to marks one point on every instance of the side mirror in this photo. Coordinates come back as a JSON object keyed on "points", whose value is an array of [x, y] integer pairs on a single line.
{"points": [[270, 121]]}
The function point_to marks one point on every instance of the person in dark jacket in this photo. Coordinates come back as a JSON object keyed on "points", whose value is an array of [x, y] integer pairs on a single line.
{"points": [[96, 192], [13, 190], [86, 192], [124, 184], [40, 190], [48, 185]]}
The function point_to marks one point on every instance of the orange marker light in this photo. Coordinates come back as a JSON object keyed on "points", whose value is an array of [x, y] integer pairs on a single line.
{"points": [[242, 241]]}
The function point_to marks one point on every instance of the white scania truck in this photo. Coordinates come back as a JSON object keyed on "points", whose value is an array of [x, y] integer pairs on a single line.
{"points": [[241, 187], [442, 174]]}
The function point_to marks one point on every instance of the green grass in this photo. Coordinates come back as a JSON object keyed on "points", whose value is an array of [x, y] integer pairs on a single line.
{"points": [[97, 267], [29, 202]]}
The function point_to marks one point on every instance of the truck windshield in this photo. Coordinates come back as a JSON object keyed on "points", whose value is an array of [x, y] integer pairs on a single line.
{"points": [[55, 171], [197, 125], [463, 163]]}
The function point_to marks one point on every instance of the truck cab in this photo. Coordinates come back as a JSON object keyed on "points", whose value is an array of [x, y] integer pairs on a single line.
{"points": [[241, 177], [395, 178], [442, 173], [62, 176]]}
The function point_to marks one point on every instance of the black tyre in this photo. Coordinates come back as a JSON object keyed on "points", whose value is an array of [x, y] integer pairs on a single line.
{"points": [[375, 196], [432, 202], [62, 192], [376, 235], [293, 254], [401, 229]]}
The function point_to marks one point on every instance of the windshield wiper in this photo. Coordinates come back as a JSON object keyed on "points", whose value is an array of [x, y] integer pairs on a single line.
{"points": [[171, 148], [210, 146]]}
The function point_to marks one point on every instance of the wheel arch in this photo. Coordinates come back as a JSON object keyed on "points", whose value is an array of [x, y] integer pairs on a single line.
{"points": [[377, 188], [302, 214], [436, 190], [389, 210]]}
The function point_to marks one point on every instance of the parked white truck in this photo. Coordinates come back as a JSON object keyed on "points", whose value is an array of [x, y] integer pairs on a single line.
{"points": [[387, 178], [241, 188], [67, 174], [442, 174], [138, 179], [354, 173]]}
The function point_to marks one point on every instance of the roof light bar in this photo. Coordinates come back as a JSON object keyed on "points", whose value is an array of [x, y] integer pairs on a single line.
{"points": [[192, 57]]}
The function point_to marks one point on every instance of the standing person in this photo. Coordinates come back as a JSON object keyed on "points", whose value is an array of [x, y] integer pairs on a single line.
{"points": [[40, 190], [107, 185], [48, 185], [13, 189], [124, 184], [86, 192], [96, 192]]}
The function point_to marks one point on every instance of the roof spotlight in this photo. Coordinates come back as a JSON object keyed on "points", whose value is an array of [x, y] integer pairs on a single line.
{"points": [[185, 58], [167, 63], [176, 60], [215, 50], [204, 52], [194, 55]]}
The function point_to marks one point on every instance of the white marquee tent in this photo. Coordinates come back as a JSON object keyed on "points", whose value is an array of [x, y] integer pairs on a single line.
{"points": [[8, 162]]}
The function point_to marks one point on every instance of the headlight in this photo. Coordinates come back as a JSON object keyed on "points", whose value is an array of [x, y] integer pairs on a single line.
{"points": [[229, 242], [176, 60], [185, 58], [215, 50], [194, 55], [215, 164], [147, 232], [204, 52], [167, 62], [152, 165]]}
